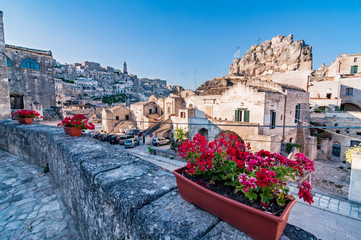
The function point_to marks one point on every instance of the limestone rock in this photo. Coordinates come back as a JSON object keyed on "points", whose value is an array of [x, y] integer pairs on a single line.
{"points": [[280, 54]]}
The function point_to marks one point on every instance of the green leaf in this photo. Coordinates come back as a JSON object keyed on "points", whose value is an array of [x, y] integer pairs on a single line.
{"points": [[266, 196], [281, 199], [251, 195], [228, 176]]}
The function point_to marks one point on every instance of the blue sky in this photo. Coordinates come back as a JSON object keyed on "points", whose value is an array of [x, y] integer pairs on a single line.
{"points": [[171, 39]]}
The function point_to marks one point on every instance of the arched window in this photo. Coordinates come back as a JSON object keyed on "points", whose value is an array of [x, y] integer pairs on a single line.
{"points": [[30, 64], [8, 62]]}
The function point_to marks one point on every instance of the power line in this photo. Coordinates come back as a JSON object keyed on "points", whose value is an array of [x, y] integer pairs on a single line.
{"points": [[238, 125]]}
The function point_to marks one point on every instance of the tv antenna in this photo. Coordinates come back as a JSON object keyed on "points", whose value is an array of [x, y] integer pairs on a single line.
{"points": [[238, 52], [258, 41]]}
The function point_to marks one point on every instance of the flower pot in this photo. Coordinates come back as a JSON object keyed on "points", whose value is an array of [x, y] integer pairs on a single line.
{"points": [[72, 131], [25, 120], [256, 223]]}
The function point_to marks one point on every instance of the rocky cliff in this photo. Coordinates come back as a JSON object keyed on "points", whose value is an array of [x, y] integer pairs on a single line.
{"points": [[280, 54]]}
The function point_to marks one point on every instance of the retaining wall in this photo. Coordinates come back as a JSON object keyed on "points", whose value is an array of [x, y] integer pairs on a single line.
{"points": [[111, 194]]}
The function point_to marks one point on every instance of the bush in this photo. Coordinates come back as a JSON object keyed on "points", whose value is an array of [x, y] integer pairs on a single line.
{"points": [[289, 146]]}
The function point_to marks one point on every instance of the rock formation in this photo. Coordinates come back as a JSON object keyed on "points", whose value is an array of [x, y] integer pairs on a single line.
{"points": [[281, 54]]}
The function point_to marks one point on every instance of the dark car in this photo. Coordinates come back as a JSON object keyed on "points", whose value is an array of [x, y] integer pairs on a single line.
{"points": [[133, 132], [109, 136], [157, 141], [104, 138], [99, 136], [132, 142], [114, 139]]}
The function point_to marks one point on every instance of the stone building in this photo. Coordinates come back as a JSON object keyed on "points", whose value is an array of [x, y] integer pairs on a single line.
{"points": [[4, 81], [257, 111], [338, 86], [116, 119], [337, 140], [146, 114], [30, 77]]}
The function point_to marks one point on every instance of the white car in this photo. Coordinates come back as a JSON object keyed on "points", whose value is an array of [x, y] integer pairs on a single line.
{"points": [[157, 141]]}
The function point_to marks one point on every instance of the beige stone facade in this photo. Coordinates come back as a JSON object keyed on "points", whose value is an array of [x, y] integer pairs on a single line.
{"points": [[117, 119]]}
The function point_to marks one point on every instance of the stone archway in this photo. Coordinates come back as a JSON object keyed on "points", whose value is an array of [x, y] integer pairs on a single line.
{"points": [[227, 133], [203, 132], [319, 109], [350, 107]]}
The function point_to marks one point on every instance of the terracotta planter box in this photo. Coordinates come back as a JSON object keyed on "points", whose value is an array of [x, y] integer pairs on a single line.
{"points": [[256, 223], [25, 120], [72, 131]]}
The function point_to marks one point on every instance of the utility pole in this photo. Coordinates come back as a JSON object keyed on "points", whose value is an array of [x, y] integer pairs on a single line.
{"points": [[195, 78], [258, 41]]}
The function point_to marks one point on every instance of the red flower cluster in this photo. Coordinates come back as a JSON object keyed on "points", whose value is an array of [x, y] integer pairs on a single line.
{"points": [[26, 114], [265, 177], [261, 174], [78, 121], [304, 192]]}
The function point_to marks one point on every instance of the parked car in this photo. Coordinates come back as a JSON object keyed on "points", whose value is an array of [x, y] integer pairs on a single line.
{"points": [[104, 138], [114, 139], [124, 138], [133, 132], [109, 136], [157, 141], [99, 136], [132, 142]]}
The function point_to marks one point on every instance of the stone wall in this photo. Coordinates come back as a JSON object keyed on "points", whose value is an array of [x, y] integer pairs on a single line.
{"points": [[111, 194], [354, 193], [114, 195], [4, 82]]}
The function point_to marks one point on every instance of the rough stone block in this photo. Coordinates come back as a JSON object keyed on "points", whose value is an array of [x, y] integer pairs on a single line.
{"points": [[171, 217]]}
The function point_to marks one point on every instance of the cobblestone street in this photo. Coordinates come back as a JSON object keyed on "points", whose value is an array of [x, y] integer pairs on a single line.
{"points": [[30, 203]]}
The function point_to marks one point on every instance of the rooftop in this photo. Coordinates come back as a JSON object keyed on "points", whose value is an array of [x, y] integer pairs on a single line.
{"points": [[36, 51]]}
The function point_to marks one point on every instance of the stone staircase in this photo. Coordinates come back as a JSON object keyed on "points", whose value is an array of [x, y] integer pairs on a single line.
{"points": [[50, 114], [159, 126]]}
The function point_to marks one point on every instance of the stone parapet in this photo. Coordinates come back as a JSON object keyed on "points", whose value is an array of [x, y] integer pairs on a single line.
{"points": [[110, 193]]}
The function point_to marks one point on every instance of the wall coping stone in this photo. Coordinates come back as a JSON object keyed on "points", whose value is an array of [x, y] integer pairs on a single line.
{"points": [[110, 193]]}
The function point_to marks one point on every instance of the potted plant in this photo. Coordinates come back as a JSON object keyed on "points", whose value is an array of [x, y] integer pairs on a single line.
{"points": [[73, 125], [26, 116], [247, 190]]}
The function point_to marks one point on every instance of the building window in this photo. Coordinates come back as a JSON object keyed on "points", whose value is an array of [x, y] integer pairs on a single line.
{"points": [[30, 64], [150, 111], [358, 133], [242, 115], [355, 59], [183, 115], [349, 91], [273, 119], [354, 69], [116, 117], [328, 95], [8, 62], [17, 101], [297, 113], [126, 117]]}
